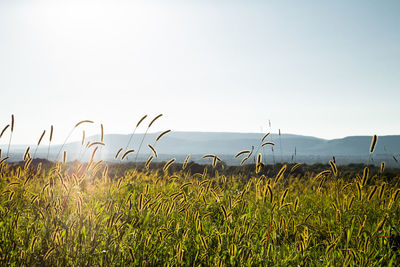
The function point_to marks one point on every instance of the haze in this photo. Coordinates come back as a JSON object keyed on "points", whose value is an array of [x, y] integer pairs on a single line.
{"points": [[326, 69]]}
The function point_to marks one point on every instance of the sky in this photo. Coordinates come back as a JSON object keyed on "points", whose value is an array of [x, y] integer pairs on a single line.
{"points": [[322, 68]]}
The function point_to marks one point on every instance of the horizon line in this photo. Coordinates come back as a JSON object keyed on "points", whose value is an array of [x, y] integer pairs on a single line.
{"points": [[222, 132]]}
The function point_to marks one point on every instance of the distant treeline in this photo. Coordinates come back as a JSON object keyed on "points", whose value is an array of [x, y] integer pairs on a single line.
{"points": [[116, 170]]}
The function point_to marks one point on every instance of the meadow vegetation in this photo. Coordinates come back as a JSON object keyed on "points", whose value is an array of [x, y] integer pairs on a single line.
{"points": [[124, 214], [98, 213]]}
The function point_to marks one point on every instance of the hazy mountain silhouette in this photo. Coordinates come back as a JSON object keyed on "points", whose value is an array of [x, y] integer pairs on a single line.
{"points": [[352, 149]]}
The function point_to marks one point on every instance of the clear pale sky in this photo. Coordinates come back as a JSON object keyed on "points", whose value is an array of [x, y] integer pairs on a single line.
{"points": [[324, 68]]}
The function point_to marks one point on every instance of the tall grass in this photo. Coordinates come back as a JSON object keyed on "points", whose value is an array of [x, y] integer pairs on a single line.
{"points": [[85, 214], [110, 215], [272, 148], [144, 135], [68, 136], [372, 147], [11, 134], [133, 133], [50, 139], [38, 143]]}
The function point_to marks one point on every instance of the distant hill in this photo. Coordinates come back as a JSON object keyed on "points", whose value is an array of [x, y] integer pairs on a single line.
{"points": [[288, 147]]}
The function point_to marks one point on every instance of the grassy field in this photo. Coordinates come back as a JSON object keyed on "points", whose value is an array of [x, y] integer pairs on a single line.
{"points": [[97, 214]]}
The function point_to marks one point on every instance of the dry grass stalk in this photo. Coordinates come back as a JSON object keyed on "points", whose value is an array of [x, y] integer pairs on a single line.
{"points": [[133, 133], [268, 143], [373, 143], [140, 121], [50, 138], [265, 136], [126, 153], [162, 134], [92, 158], [101, 133], [84, 121], [382, 191], [244, 160], [83, 137], [372, 147], [214, 157], [4, 129], [12, 123], [11, 134], [38, 143], [3, 160], [259, 163], [96, 144], [148, 161], [26, 154], [364, 179], [280, 173], [147, 129], [76, 125], [153, 149], [283, 197], [151, 123], [168, 164], [280, 144], [371, 194], [242, 152], [295, 167], [185, 162], [333, 167], [119, 151], [210, 156]]}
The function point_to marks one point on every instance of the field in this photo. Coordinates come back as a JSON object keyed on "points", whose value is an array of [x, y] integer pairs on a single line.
{"points": [[199, 133], [123, 214]]}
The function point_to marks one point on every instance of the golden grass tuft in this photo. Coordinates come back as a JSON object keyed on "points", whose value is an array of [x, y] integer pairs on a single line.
{"points": [[365, 176], [382, 168], [121, 214], [185, 162], [295, 167], [168, 164], [280, 173], [333, 167]]}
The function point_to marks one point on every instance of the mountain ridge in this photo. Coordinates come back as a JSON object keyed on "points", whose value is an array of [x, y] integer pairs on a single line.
{"points": [[288, 147]]}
